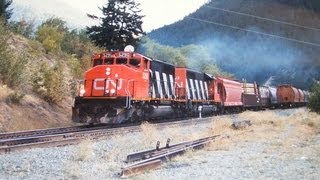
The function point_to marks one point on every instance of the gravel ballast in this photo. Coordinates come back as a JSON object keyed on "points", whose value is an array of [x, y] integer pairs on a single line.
{"points": [[281, 144]]}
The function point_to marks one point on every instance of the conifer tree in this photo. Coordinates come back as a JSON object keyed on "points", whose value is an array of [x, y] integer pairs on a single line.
{"points": [[119, 26], [5, 12]]}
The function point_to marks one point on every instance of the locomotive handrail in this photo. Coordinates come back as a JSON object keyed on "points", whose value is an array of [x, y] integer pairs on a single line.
{"points": [[128, 95]]}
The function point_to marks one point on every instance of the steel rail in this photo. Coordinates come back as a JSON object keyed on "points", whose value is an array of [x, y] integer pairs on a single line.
{"points": [[14, 144], [155, 160]]}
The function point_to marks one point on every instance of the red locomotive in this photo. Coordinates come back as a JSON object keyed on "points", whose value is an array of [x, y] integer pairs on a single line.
{"points": [[127, 86]]}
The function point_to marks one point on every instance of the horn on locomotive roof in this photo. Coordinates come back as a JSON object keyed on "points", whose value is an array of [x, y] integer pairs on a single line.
{"points": [[129, 48]]}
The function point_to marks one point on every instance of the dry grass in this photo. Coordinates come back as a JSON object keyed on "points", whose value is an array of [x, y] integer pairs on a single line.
{"points": [[291, 134], [4, 92], [263, 118]]}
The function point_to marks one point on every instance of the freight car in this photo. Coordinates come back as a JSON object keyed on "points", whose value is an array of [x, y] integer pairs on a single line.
{"points": [[230, 93], [265, 96], [289, 96], [273, 97], [250, 96], [126, 86]]}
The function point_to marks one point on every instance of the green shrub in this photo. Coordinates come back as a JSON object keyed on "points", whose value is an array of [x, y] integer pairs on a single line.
{"points": [[12, 66], [50, 38], [314, 98], [75, 67], [49, 83]]}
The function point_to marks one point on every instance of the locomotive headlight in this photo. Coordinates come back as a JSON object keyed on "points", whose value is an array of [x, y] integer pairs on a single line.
{"points": [[112, 91], [82, 91], [108, 71]]}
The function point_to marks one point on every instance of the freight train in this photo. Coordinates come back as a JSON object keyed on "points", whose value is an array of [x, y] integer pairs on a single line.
{"points": [[124, 86]]}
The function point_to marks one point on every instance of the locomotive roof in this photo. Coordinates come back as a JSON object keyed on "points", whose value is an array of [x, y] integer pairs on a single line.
{"points": [[164, 62]]}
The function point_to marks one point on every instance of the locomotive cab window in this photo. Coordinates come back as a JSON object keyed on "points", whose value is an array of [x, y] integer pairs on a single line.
{"points": [[121, 61], [135, 62], [97, 62], [108, 61], [145, 63]]}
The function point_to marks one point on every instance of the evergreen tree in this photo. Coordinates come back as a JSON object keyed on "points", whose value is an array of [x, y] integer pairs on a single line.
{"points": [[314, 98], [120, 26], [4, 11]]}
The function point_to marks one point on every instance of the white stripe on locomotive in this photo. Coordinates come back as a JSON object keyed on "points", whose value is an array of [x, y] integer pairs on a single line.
{"points": [[192, 89], [206, 90], [202, 90], [187, 88], [165, 82], [158, 84], [197, 88], [171, 84]]}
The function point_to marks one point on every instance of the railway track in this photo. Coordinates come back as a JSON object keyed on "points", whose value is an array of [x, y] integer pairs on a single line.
{"points": [[152, 159], [51, 131], [17, 141]]}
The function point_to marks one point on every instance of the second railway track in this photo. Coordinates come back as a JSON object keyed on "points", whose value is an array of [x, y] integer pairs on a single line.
{"points": [[65, 136]]}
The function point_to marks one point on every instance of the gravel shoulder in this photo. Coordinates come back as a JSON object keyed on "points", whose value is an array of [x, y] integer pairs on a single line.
{"points": [[280, 144]]}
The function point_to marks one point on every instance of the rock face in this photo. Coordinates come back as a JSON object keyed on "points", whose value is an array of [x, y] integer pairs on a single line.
{"points": [[240, 124]]}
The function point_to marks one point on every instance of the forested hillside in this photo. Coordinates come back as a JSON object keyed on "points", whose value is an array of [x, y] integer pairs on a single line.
{"points": [[276, 40]]}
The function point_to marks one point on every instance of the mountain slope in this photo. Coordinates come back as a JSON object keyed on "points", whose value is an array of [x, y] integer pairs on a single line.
{"points": [[250, 39]]}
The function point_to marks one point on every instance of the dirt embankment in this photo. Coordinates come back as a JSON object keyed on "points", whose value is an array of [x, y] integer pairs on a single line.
{"points": [[33, 112]]}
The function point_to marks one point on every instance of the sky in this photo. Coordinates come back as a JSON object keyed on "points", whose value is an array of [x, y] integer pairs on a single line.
{"points": [[157, 12]]}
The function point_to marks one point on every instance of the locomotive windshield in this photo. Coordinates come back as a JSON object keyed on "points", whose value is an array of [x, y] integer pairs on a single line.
{"points": [[134, 62], [121, 60], [97, 62], [108, 61]]}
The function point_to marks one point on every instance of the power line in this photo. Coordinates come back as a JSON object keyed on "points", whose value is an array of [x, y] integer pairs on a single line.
{"points": [[257, 32], [263, 18]]}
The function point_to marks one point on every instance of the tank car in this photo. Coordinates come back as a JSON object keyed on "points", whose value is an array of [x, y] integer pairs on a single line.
{"points": [[301, 98], [287, 95], [273, 97], [265, 98]]}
